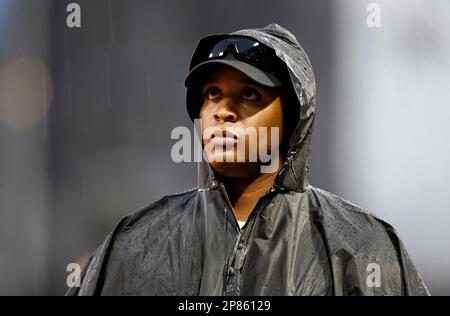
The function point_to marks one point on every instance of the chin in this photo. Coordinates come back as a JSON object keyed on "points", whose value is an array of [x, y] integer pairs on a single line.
{"points": [[236, 169]]}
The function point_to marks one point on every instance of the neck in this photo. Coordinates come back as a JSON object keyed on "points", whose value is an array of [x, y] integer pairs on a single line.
{"points": [[244, 192]]}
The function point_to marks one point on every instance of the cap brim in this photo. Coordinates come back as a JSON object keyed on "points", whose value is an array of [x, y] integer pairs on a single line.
{"points": [[261, 77]]}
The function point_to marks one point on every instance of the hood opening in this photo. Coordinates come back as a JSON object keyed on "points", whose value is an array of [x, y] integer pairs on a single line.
{"points": [[298, 96]]}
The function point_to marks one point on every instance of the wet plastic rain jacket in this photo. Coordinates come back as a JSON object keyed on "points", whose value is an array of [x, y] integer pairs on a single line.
{"points": [[299, 240]]}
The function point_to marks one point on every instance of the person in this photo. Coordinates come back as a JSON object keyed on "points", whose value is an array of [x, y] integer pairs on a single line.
{"points": [[246, 230]]}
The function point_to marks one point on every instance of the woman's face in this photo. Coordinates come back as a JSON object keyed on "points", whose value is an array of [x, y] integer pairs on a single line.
{"points": [[235, 113]]}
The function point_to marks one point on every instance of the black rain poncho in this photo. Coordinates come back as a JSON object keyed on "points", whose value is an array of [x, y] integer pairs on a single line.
{"points": [[299, 240]]}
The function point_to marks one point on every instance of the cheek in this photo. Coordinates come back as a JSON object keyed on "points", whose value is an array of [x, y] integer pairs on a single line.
{"points": [[203, 110], [271, 116], [206, 118]]}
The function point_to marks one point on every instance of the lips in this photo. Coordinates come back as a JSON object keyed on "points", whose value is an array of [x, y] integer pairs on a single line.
{"points": [[223, 137]]}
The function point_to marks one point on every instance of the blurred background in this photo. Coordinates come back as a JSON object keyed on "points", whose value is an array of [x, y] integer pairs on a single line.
{"points": [[86, 116]]}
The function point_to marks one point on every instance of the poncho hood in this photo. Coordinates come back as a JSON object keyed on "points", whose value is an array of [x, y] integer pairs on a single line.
{"points": [[293, 175]]}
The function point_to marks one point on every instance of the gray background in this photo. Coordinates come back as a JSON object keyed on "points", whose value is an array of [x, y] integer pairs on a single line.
{"points": [[85, 124]]}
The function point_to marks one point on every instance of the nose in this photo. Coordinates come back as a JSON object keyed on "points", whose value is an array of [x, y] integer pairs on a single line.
{"points": [[225, 111]]}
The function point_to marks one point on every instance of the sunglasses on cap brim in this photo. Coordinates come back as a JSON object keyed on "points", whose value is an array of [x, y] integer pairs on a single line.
{"points": [[238, 45]]}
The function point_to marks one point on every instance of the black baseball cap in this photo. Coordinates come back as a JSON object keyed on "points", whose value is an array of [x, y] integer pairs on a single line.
{"points": [[245, 54]]}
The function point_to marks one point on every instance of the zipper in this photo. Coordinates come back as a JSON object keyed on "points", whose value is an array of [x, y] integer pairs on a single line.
{"points": [[231, 276]]}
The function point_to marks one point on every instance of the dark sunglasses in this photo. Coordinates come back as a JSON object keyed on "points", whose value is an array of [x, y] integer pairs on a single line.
{"points": [[238, 44]]}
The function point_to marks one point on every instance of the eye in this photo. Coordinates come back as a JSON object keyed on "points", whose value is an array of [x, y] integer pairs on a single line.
{"points": [[212, 93], [250, 94]]}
